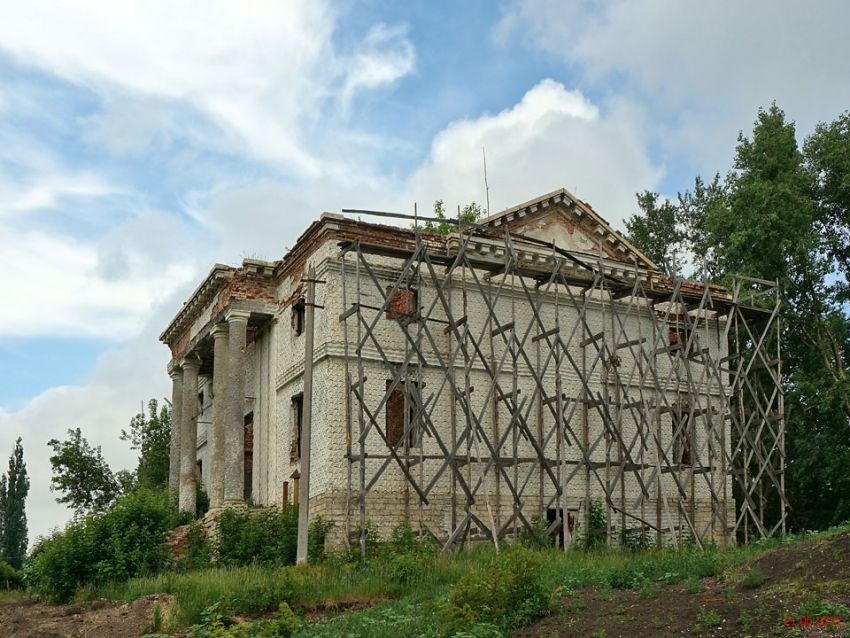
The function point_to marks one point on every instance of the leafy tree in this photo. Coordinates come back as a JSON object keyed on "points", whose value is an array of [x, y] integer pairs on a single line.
{"points": [[656, 230], [14, 486], [151, 435], [783, 214], [82, 474], [470, 213]]}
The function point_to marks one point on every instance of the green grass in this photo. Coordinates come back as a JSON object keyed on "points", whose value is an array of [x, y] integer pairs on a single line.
{"points": [[397, 588]]}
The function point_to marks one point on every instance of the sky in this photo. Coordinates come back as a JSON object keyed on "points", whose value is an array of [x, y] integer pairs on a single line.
{"points": [[140, 143]]}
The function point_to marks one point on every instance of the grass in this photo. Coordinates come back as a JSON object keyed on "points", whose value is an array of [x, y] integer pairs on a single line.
{"points": [[397, 589], [396, 601]]}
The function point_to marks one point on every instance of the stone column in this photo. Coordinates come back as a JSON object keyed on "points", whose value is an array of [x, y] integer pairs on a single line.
{"points": [[189, 435], [219, 414], [234, 427], [176, 374]]}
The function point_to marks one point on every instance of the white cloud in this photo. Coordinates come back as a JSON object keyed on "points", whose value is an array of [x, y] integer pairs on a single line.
{"points": [[372, 67], [261, 72], [705, 67], [553, 137]]}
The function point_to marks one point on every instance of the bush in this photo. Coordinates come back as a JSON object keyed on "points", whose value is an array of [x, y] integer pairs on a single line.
{"points": [[317, 533], [125, 541], [597, 532], [755, 578], [198, 553], [536, 537], [10, 578], [264, 537], [215, 624], [508, 593]]}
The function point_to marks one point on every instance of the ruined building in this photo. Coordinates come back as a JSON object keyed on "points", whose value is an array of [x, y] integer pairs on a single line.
{"points": [[534, 364]]}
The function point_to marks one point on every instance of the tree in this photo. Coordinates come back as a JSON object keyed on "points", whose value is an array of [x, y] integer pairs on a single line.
{"points": [[783, 214], [470, 213], [82, 474], [656, 231], [151, 435], [14, 487]]}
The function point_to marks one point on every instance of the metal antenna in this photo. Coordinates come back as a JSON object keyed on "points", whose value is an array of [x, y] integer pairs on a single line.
{"points": [[486, 185]]}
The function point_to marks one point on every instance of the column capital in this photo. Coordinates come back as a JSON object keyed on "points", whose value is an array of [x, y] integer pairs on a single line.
{"points": [[232, 315], [191, 360], [220, 330], [174, 368]]}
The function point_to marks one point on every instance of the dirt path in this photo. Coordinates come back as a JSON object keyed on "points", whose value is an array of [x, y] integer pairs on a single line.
{"points": [[97, 619], [802, 580]]}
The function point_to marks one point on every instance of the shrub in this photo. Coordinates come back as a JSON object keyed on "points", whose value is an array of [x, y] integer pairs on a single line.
{"points": [[755, 578], [215, 624], [508, 593], [125, 541], [318, 531], [535, 537], [198, 553], [264, 537], [597, 532], [10, 578]]}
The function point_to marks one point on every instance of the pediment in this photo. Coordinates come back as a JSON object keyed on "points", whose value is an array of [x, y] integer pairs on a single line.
{"points": [[572, 225]]}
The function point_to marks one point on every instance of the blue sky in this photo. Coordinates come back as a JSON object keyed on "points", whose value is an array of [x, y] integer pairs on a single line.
{"points": [[141, 144]]}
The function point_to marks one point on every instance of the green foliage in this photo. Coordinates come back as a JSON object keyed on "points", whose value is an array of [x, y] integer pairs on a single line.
{"points": [[82, 474], [656, 230], [267, 536], [508, 592], [10, 578], [317, 533], [755, 578], [151, 435], [535, 537], [198, 551], [708, 617], [215, 624], [14, 487], [470, 213], [125, 541], [783, 214], [597, 533]]}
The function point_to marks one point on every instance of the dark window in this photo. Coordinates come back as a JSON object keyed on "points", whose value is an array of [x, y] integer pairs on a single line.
{"points": [[681, 429], [397, 405], [297, 412], [298, 314], [405, 303], [298, 317], [200, 468], [680, 335]]}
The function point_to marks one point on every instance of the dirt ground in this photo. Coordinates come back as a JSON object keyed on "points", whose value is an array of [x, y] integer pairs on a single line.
{"points": [[797, 575], [97, 619]]}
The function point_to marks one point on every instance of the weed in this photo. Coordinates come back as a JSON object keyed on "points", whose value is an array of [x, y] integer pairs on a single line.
{"points": [[754, 578], [650, 590], [693, 586], [708, 617], [746, 620]]}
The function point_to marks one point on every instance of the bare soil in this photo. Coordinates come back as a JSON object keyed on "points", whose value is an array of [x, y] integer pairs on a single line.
{"points": [[818, 569], [97, 619]]}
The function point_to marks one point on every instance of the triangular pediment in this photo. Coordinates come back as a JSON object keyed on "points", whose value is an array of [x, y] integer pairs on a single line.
{"points": [[572, 225]]}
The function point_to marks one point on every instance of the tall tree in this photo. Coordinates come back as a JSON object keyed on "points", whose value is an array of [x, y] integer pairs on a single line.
{"points": [[14, 487], [656, 231], [82, 474], [784, 214], [151, 435]]}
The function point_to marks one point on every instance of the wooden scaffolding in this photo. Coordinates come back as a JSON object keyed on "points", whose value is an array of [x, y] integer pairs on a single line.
{"points": [[536, 382]]}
